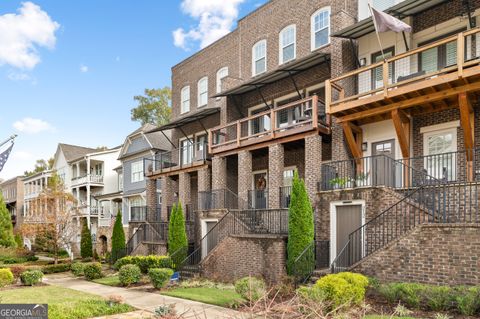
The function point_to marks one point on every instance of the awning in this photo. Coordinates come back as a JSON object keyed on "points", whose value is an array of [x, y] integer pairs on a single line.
{"points": [[403, 9], [278, 74], [189, 118]]}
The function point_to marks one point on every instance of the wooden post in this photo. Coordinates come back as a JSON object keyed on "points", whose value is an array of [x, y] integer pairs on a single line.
{"points": [[239, 132], [315, 111], [273, 124], [467, 127], [328, 96], [460, 53], [210, 141], [385, 78]]}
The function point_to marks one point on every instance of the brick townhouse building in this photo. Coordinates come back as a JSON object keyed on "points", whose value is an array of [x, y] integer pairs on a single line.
{"points": [[384, 139], [12, 192]]}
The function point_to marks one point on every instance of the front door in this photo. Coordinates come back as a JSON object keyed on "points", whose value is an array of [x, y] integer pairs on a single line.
{"points": [[349, 219], [259, 196], [383, 166], [211, 238]]}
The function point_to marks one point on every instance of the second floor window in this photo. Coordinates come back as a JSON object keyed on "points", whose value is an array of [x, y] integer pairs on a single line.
{"points": [[287, 44], [259, 57], [202, 91], [137, 171], [320, 28], [185, 99], [223, 72]]}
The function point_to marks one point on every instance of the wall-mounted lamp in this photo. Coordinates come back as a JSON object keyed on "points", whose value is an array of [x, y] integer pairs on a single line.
{"points": [[363, 61], [364, 146]]}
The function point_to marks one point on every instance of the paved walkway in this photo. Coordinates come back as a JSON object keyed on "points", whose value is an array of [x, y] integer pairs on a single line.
{"points": [[145, 300]]}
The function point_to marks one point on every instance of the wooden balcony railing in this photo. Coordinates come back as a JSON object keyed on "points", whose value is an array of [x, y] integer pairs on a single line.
{"points": [[403, 80], [296, 117]]}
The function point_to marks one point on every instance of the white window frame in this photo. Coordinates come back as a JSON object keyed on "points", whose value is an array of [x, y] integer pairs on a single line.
{"points": [[313, 31], [441, 129], [285, 169], [283, 46], [137, 175], [200, 93], [255, 59], [185, 99], [220, 77], [181, 150]]}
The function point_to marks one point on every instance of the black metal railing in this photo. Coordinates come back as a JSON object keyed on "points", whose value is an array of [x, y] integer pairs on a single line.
{"points": [[285, 196], [220, 199], [258, 198], [315, 256], [138, 213]]}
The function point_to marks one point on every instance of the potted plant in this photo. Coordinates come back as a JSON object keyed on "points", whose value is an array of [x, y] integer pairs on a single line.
{"points": [[340, 182]]}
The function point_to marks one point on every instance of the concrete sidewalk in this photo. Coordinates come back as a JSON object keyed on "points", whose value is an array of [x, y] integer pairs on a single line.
{"points": [[145, 300]]}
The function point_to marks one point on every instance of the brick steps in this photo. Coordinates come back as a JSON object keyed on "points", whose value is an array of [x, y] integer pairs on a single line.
{"points": [[317, 274]]}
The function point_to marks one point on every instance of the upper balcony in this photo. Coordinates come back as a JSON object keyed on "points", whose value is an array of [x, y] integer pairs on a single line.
{"points": [[87, 179], [426, 79], [305, 115]]}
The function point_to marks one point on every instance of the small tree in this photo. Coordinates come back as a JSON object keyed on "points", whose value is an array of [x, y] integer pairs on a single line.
{"points": [[300, 223], [6, 227], [118, 237], [86, 248], [177, 235]]}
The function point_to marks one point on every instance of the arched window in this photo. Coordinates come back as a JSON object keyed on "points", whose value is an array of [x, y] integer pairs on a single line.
{"points": [[202, 91], [185, 99], [320, 24], [259, 57], [287, 43], [223, 72]]}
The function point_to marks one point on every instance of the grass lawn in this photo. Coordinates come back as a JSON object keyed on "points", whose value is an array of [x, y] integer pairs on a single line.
{"points": [[109, 281], [387, 317], [63, 303], [213, 296]]}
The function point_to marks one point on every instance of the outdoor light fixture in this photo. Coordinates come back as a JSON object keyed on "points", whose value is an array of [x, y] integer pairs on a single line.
{"points": [[363, 61], [364, 146]]}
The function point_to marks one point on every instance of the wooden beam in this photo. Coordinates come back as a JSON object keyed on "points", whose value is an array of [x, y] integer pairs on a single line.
{"points": [[401, 122], [467, 127], [353, 143]]}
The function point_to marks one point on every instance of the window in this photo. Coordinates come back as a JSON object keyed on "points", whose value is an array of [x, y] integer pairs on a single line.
{"points": [[202, 91], [320, 28], [186, 151], [185, 96], [287, 44], [439, 148], [259, 57], [201, 147], [98, 168], [377, 73], [223, 72], [137, 171], [439, 57], [288, 176]]}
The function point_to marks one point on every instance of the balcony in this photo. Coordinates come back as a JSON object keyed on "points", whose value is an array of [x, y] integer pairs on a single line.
{"points": [[189, 156], [258, 198], [302, 116], [423, 80], [138, 213], [87, 179]]}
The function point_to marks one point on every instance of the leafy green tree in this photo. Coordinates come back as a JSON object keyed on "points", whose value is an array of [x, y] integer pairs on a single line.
{"points": [[153, 107], [19, 240], [86, 248], [300, 223], [41, 165], [6, 227], [177, 235], [118, 237]]}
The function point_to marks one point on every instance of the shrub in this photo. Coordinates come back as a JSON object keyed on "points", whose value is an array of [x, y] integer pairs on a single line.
{"points": [[250, 288], [144, 262], [300, 223], [438, 298], [6, 277], [129, 274], [409, 294], [53, 269], [339, 292], [77, 269], [86, 248], [468, 300], [31, 277], [93, 271], [19, 240], [159, 277], [17, 270], [118, 237], [311, 294], [177, 235], [6, 228]]}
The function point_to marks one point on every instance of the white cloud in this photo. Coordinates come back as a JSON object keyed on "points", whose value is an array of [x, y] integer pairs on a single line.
{"points": [[18, 76], [83, 68], [117, 59], [21, 35], [32, 126], [215, 19], [21, 155]]}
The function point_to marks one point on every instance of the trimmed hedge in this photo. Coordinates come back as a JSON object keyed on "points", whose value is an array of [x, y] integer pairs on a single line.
{"points": [[6, 277], [250, 288], [31, 277], [129, 274], [53, 269], [93, 271], [77, 268], [144, 262], [160, 277]]}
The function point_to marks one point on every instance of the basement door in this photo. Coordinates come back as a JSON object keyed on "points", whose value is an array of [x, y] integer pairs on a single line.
{"points": [[211, 240], [383, 166]]}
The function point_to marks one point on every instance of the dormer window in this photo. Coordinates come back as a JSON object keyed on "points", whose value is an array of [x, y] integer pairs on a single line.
{"points": [[259, 57]]}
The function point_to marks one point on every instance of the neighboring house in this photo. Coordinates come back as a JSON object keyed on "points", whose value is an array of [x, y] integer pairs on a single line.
{"points": [[12, 192]]}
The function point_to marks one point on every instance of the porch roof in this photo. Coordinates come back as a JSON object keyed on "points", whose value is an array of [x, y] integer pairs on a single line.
{"points": [[189, 118]]}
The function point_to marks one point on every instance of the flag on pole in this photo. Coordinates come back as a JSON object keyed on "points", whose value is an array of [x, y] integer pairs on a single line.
{"points": [[4, 156], [385, 22]]}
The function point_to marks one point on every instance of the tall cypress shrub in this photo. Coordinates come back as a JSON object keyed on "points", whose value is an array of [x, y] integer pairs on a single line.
{"points": [[86, 248], [300, 223], [6, 227], [177, 235], [118, 238]]}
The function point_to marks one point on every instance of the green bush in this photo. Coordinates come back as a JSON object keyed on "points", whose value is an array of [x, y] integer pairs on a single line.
{"points": [[86, 248], [159, 277], [77, 268], [6, 277], [118, 237], [129, 274], [409, 294], [31, 277], [6, 228], [93, 271], [53, 269], [438, 298], [19, 240], [250, 288], [468, 300], [144, 262], [177, 235], [340, 292]]}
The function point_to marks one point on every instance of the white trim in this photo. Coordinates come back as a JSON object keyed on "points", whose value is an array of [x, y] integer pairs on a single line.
{"points": [[205, 78], [254, 73], [333, 223], [281, 46], [203, 227], [183, 111], [440, 127], [219, 79], [312, 28]]}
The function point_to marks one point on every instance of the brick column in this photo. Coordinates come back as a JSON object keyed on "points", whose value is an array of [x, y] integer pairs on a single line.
{"points": [[313, 158], [151, 192], [168, 190], [204, 180], [275, 174], [244, 175], [219, 172], [184, 189]]}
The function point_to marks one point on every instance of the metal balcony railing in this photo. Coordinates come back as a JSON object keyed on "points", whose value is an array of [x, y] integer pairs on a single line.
{"points": [[258, 198]]}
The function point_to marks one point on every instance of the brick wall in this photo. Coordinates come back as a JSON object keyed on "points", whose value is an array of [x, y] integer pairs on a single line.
{"points": [[239, 256], [433, 254]]}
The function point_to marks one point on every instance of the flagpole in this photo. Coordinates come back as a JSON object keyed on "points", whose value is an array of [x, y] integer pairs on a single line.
{"points": [[11, 138], [376, 30]]}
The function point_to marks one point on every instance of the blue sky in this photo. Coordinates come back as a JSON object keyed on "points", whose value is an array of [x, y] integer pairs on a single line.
{"points": [[69, 69]]}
